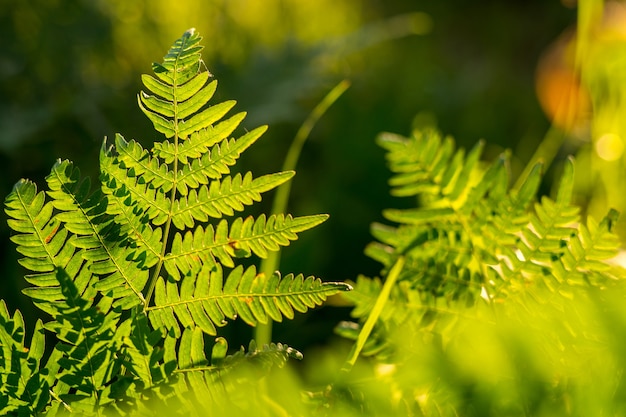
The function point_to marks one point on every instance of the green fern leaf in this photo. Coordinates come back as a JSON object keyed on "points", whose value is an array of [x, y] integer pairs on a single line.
{"points": [[97, 234], [204, 382], [224, 197], [213, 245], [217, 160], [87, 345], [122, 231], [131, 272], [46, 244], [574, 253], [253, 297], [471, 239], [133, 162], [23, 385], [152, 192], [199, 142], [142, 353], [181, 91], [468, 217], [40, 237]]}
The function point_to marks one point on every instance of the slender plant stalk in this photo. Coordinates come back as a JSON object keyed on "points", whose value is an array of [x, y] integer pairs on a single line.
{"points": [[263, 332], [293, 154], [589, 14], [364, 334]]}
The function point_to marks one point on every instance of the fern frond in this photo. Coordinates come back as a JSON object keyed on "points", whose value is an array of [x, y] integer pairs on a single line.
{"points": [[133, 161], [207, 381], [87, 346], [424, 165], [199, 142], [47, 243], [85, 216], [180, 91], [468, 216], [217, 160], [149, 193], [224, 197], [556, 246], [131, 272], [23, 384], [40, 238], [210, 245], [472, 239], [207, 300], [142, 353]]}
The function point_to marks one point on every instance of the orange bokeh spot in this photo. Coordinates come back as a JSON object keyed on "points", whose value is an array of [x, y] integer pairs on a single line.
{"points": [[562, 98]]}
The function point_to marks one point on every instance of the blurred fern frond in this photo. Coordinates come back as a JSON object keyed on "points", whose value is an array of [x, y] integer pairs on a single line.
{"points": [[471, 238]]}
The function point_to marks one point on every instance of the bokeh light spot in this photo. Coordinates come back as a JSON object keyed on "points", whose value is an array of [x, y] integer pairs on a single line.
{"points": [[610, 147]]}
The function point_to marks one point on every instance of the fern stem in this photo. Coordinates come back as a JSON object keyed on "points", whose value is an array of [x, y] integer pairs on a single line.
{"points": [[379, 305], [166, 232], [263, 332], [168, 224], [293, 154], [159, 265]]}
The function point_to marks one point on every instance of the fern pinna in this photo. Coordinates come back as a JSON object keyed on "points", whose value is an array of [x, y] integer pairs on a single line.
{"points": [[471, 238], [135, 272]]}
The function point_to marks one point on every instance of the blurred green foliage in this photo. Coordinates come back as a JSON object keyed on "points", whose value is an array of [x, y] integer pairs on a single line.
{"points": [[68, 75], [550, 357], [529, 356]]}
